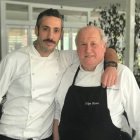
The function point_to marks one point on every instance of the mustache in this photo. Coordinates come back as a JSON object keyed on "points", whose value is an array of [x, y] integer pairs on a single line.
{"points": [[50, 40]]}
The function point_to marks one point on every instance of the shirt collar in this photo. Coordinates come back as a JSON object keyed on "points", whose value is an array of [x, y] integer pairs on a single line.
{"points": [[98, 68]]}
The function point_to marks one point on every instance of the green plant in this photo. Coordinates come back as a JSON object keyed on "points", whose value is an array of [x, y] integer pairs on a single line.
{"points": [[137, 42], [113, 24]]}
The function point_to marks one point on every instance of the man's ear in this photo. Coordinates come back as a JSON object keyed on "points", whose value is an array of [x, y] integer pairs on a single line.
{"points": [[62, 33], [36, 31], [105, 45]]}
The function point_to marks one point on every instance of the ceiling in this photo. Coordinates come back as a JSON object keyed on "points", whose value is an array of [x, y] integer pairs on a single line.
{"points": [[79, 3]]}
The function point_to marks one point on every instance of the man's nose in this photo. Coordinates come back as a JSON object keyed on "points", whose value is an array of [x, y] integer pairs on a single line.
{"points": [[88, 48], [50, 35]]}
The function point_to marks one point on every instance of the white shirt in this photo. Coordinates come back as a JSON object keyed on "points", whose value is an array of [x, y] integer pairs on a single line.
{"points": [[30, 82], [125, 95]]}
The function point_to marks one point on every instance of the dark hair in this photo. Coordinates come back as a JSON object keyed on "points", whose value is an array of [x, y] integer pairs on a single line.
{"points": [[48, 12]]}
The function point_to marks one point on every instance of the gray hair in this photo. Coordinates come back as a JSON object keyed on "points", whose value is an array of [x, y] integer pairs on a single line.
{"points": [[101, 32]]}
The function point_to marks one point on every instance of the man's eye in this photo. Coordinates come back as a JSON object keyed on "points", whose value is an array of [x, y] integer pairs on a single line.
{"points": [[93, 44], [83, 44], [45, 29], [56, 30]]}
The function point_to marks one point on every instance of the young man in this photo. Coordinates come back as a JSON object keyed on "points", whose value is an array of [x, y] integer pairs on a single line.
{"points": [[29, 78], [84, 109]]}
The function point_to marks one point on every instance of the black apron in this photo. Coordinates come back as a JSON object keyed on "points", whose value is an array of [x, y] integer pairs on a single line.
{"points": [[85, 115]]}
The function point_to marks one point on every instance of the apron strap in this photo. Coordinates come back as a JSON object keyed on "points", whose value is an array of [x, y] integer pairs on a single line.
{"points": [[75, 75]]}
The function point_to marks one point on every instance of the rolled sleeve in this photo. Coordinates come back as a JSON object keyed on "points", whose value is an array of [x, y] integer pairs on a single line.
{"points": [[57, 111]]}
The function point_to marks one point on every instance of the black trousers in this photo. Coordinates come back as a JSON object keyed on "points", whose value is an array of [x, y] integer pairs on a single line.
{"points": [[2, 137]]}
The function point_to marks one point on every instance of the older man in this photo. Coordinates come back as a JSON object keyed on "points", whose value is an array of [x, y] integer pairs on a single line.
{"points": [[85, 110]]}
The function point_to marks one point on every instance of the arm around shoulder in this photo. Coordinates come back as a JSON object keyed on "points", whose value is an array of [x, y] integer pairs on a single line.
{"points": [[109, 76], [111, 55]]}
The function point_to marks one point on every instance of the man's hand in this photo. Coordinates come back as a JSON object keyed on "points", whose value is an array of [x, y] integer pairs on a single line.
{"points": [[55, 130], [109, 77]]}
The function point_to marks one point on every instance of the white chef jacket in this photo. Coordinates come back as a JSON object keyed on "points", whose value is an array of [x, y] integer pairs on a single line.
{"points": [[125, 95], [30, 82]]}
